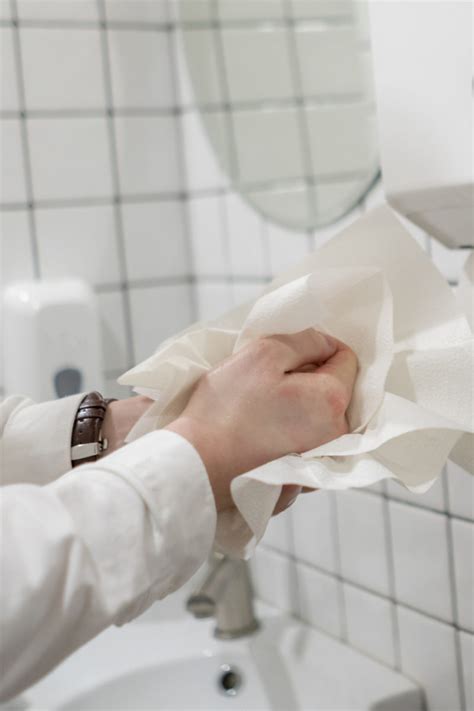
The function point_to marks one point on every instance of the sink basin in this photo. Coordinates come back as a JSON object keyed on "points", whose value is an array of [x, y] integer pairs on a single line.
{"points": [[178, 664]]}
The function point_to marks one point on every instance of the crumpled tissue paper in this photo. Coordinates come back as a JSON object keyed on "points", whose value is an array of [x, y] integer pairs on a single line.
{"points": [[374, 288]]}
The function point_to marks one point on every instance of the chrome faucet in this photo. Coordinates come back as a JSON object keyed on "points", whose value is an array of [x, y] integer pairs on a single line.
{"points": [[227, 594]]}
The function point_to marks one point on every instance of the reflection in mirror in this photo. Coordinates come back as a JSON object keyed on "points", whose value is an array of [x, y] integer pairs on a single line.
{"points": [[285, 90]]}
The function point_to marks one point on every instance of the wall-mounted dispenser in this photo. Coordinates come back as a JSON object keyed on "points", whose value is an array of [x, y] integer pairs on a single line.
{"points": [[51, 338]]}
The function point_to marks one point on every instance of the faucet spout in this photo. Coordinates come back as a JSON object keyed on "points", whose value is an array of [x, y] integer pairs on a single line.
{"points": [[226, 593]]}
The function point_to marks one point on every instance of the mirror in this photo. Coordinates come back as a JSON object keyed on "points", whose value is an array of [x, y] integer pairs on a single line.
{"points": [[285, 91]]}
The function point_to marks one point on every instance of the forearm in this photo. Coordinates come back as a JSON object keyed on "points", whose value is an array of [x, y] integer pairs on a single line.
{"points": [[97, 547]]}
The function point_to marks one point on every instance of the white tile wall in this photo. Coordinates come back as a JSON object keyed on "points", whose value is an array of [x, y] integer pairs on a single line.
{"points": [[60, 68], [88, 249], [158, 312], [12, 184], [132, 54], [428, 655], [363, 545], [420, 550], [70, 158], [148, 157], [155, 240], [463, 545], [80, 159], [113, 329], [16, 258], [370, 623], [467, 657], [9, 85], [209, 250]]}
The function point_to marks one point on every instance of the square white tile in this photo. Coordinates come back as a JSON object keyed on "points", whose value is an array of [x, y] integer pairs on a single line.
{"points": [[251, 10], [70, 158], [79, 242], [16, 255], [143, 11], [463, 544], [343, 139], [8, 74], [157, 313], [244, 291], [148, 155], [274, 578], [62, 68], [318, 599], [313, 529], [155, 243], [201, 57], [203, 170], [247, 251], [83, 10], [370, 623], [322, 9], [460, 490], [335, 48], [141, 69], [362, 538], [279, 532], [192, 11], [428, 655], [112, 321], [5, 10], [208, 239], [467, 663], [213, 299], [285, 246], [262, 155], [420, 554], [432, 499], [12, 183], [258, 64]]}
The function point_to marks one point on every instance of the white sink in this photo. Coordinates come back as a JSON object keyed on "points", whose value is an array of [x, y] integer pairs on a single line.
{"points": [[178, 664]]}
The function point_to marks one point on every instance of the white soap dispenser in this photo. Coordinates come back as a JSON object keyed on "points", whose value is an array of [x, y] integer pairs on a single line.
{"points": [[51, 339]]}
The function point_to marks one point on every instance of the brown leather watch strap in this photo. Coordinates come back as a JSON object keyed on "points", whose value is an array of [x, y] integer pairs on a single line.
{"points": [[86, 441]]}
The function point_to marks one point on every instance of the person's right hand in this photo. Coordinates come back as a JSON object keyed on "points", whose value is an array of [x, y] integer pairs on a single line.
{"points": [[278, 395]]}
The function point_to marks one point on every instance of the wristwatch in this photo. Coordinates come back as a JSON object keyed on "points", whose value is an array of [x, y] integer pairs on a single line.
{"points": [[87, 443]]}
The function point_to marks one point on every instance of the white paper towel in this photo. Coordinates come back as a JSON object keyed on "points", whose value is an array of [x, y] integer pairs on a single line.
{"points": [[375, 289]]}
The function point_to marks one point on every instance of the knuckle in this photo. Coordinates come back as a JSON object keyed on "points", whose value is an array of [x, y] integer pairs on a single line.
{"points": [[263, 347], [337, 399], [290, 391]]}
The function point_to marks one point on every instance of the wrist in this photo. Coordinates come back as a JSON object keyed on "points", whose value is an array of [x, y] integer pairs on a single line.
{"points": [[120, 417], [211, 451]]}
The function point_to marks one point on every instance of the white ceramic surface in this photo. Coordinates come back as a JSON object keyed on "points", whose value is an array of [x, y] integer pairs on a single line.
{"points": [[177, 664]]}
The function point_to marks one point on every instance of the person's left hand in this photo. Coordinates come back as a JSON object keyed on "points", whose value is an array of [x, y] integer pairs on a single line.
{"points": [[122, 415]]}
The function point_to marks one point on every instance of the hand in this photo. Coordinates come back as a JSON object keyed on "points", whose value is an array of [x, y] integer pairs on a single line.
{"points": [[278, 395], [119, 419]]}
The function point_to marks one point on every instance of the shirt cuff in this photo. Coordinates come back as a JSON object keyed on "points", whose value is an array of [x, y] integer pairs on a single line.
{"points": [[37, 440], [169, 475]]}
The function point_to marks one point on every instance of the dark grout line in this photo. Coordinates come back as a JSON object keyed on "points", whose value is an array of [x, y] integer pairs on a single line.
{"points": [[120, 236], [28, 175], [364, 588], [173, 57], [387, 522]]}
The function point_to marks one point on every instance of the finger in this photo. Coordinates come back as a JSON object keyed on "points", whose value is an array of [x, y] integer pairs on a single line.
{"points": [[304, 348], [342, 367], [289, 494]]}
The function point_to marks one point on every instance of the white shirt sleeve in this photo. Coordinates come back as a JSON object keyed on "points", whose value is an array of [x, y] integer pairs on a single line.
{"points": [[96, 547]]}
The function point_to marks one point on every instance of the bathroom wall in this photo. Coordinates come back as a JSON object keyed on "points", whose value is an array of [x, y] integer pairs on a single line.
{"points": [[108, 174], [92, 165]]}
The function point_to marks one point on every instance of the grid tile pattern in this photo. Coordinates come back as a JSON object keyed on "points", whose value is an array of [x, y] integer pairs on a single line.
{"points": [[149, 201]]}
